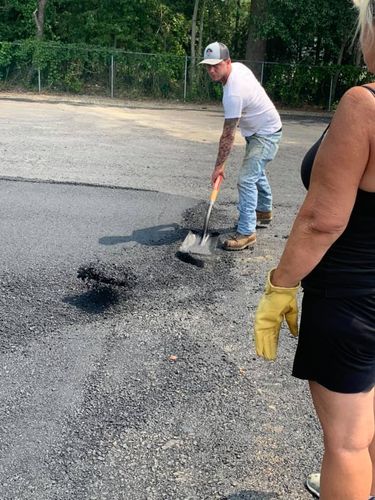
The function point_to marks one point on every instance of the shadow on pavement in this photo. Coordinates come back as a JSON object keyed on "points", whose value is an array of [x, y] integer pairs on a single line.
{"points": [[164, 234], [96, 300]]}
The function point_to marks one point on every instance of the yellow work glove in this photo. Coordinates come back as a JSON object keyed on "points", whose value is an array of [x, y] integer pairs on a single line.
{"points": [[276, 304]]}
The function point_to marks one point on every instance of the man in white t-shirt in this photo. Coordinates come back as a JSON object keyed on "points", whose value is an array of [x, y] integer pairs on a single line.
{"points": [[246, 105]]}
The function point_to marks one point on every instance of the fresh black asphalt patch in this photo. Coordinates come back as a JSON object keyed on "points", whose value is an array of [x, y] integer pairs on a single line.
{"points": [[130, 374]]}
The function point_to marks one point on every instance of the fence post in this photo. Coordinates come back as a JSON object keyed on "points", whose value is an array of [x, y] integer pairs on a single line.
{"points": [[112, 74], [185, 78], [262, 73], [330, 94], [39, 82]]}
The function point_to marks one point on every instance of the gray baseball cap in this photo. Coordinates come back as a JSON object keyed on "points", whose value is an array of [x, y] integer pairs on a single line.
{"points": [[215, 53]]}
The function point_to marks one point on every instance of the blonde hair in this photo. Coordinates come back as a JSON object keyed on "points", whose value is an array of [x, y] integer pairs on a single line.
{"points": [[366, 17]]}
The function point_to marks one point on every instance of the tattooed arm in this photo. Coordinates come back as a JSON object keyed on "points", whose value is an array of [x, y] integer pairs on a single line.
{"points": [[225, 146]]}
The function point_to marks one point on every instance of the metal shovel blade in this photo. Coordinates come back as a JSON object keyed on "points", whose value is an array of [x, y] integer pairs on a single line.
{"points": [[196, 244], [204, 243]]}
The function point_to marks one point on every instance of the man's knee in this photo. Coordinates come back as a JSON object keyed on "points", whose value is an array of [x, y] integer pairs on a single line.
{"points": [[246, 184], [251, 172]]}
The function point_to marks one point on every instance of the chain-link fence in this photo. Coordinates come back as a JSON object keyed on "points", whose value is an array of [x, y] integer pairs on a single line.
{"points": [[54, 67]]}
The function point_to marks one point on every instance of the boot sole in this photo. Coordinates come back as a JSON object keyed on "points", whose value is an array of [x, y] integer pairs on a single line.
{"points": [[248, 245]]}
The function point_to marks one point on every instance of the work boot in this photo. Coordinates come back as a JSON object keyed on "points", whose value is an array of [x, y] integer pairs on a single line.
{"points": [[263, 218], [240, 241], [312, 483]]}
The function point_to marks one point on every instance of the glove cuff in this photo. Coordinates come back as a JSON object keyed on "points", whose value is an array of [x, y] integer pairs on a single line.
{"points": [[280, 289]]}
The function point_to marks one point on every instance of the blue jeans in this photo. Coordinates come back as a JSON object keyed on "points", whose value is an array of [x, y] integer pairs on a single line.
{"points": [[253, 186]]}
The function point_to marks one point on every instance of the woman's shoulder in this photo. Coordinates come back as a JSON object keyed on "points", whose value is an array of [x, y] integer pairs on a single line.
{"points": [[356, 105], [359, 94]]}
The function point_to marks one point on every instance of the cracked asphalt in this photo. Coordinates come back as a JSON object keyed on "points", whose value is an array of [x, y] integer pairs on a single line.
{"points": [[128, 374]]}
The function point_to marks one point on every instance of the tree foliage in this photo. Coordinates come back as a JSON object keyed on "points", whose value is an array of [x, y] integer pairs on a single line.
{"points": [[310, 41], [309, 31], [295, 30]]}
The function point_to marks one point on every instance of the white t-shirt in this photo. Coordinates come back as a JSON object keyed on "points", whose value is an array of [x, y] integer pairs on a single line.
{"points": [[245, 98]]}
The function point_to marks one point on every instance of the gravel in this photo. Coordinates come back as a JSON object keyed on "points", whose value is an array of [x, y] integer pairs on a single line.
{"points": [[130, 374]]}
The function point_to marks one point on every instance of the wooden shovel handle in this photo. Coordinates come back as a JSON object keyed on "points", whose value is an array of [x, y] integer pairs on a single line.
{"points": [[216, 188]]}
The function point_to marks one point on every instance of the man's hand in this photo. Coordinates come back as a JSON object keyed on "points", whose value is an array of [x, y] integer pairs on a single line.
{"points": [[218, 170], [276, 305]]}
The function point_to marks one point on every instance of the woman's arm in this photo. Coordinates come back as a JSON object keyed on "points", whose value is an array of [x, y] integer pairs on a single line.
{"points": [[338, 168]]}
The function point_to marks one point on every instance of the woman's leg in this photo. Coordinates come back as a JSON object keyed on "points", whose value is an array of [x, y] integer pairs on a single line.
{"points": [[372, 454], [348, 428]]}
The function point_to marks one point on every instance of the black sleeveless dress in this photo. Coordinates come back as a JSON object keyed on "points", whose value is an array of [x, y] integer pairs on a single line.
{"points": [[336, 346]]}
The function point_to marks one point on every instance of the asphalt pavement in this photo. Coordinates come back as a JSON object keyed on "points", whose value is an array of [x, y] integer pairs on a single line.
{"points": [[140, 381]]}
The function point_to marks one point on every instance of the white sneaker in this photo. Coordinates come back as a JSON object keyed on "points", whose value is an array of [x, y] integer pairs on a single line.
{"points": [[312, 483]]}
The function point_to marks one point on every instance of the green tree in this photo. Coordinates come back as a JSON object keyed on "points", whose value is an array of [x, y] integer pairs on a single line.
{"points": [[227, 21], [308, 31], [142, 25], [16, 20], [276, 30], [39, 16]]}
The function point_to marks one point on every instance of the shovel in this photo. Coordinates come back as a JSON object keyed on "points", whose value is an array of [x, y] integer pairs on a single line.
{"points": [[205, 243]]}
